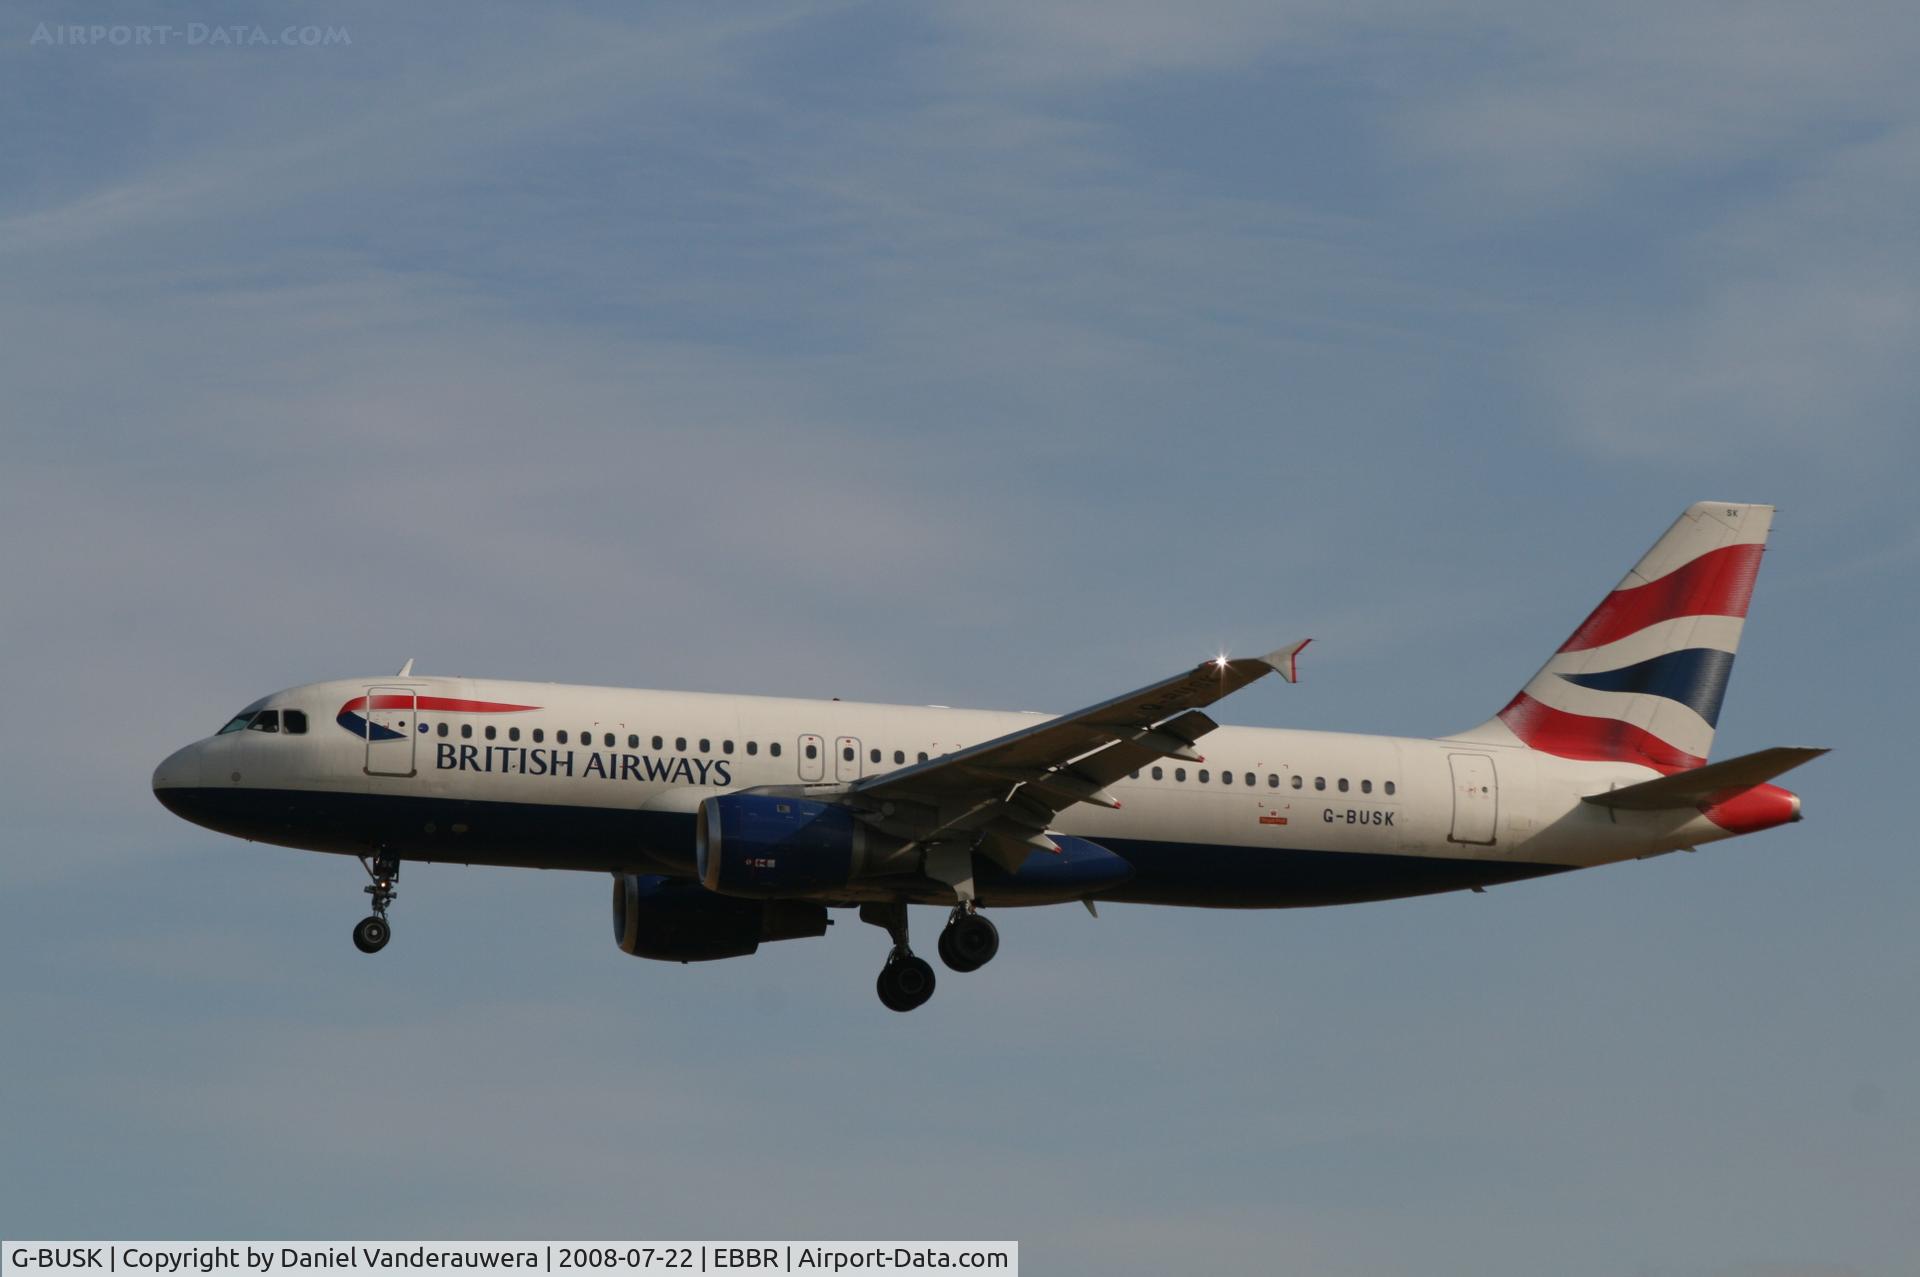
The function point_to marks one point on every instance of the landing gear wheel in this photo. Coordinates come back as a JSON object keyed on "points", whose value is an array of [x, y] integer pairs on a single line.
{"points": [[969, 942], [370, 935], [948, 956], [905, 983]]}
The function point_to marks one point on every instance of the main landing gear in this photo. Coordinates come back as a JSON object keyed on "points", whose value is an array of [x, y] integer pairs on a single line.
{"points": [[370, 934], [906, 981], [967, 943]]}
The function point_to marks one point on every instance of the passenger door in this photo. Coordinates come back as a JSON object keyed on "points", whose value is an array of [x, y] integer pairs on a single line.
{"points": [[392, 723], [1476, 799]]}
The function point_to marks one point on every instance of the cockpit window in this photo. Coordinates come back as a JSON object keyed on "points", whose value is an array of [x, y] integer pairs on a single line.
{"points": [[267, 720], [239, 721], [293, 722]]}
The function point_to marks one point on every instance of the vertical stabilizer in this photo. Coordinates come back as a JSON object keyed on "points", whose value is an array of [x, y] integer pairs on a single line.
{"points": [[1642, 679]]}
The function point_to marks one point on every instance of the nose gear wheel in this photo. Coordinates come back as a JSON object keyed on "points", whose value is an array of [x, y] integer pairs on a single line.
{"points": [[370, 934]]}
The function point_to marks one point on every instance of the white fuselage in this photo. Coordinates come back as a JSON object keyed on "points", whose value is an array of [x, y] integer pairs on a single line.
{"points": [[608, 779]]}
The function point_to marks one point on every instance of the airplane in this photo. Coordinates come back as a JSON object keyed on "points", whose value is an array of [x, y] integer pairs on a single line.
{"points": [[729, 821]]}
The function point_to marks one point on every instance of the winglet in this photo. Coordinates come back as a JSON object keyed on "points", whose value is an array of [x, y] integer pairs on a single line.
{"points": [[406, 671], [1285, 660]]}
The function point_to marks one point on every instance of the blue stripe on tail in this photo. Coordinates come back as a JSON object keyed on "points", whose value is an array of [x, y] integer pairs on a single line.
{"points": [[1696, 677]]}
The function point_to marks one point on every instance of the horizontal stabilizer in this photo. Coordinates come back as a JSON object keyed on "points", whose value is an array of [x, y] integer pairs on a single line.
{"points": [[1701, 784]]}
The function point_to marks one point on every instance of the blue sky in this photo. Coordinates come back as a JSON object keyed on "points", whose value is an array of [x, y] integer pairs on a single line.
{"points": [[1000, 354]]}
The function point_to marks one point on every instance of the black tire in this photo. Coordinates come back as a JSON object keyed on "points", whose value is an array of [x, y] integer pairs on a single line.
{"points": [[370, 934], [972, 939], [949, 956], [905, 983]]}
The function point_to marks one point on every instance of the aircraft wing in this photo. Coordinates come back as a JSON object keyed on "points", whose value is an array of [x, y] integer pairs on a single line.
{"points": [[1000, 796]]}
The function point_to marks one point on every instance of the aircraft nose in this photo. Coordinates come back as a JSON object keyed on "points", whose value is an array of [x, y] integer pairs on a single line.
{"points": [[179, 770]]}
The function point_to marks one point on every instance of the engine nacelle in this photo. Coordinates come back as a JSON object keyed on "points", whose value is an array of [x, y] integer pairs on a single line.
{"points": [[674, 920], [763, 845]]}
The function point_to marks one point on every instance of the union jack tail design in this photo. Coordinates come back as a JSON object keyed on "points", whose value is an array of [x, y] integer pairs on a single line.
{"points": [[1641, 680]]}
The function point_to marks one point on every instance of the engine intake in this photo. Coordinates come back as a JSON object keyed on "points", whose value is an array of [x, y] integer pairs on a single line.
{"points": [[673, 920]]}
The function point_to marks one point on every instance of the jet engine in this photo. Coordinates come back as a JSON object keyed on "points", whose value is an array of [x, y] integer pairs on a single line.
{"points": [[674, 920], [764, 845]]}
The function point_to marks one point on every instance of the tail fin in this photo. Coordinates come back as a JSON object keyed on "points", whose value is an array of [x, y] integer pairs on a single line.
{"points": [[1642, 678]]}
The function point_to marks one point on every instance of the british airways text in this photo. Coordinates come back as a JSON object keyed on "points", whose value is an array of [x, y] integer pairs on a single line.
{"points": [[516, 760]]}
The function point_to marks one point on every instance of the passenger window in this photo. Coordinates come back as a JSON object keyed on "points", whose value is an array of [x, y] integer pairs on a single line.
{"points": [[1179, 773], [607, 740], [1298, 781], [539, 734], [923, 755], [1343, 784], [680, 744], [753, 747], [1366, 787], [899, 756], [560, 737], [513, 733], [466, 731], [1136, 775], [267, 720], [1389, 787], [1249, 779], [294, 722], [1159, 774], [726, 747], [706, 746], [439, 729], [1320, 782], [633, 742], [873, 755], [812, 750], [1203, 775], [489, 732], [1273, 781], [846, 753], [1226, 778], [773, 748]]}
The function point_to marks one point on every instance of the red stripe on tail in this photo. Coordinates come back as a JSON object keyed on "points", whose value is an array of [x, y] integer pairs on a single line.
{"points": [[1718, 583], [1595, 740]]}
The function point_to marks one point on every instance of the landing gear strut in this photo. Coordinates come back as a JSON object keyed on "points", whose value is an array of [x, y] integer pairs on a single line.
{"points": [[370, 934], [969, 940], [905, 982]]}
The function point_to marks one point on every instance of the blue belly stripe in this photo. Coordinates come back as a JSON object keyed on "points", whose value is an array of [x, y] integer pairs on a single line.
{"points": [[621, 840]]}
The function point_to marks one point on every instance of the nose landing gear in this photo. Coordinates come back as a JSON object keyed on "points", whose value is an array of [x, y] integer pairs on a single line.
{"points": [[370, 934]]}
